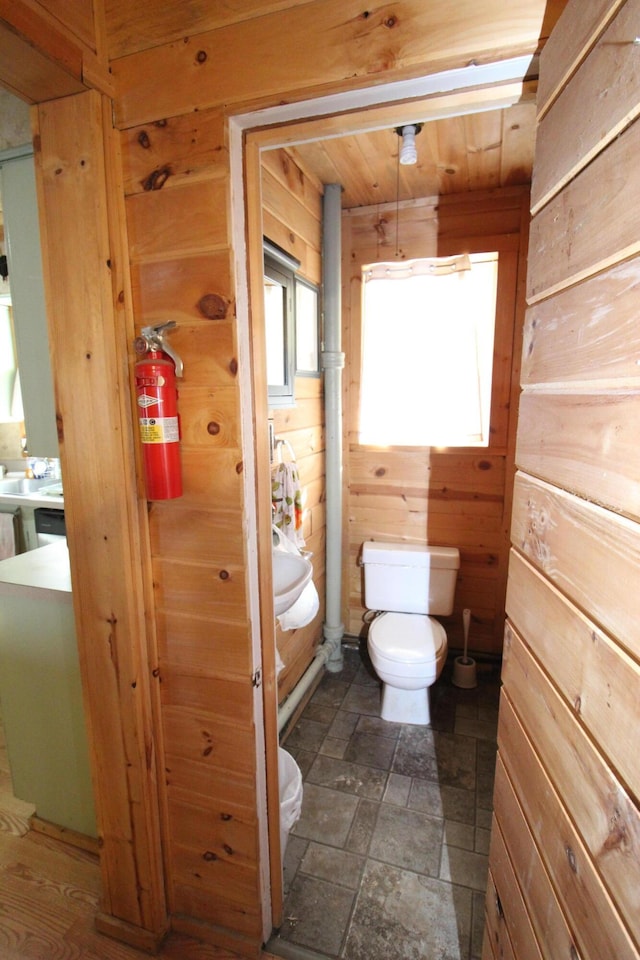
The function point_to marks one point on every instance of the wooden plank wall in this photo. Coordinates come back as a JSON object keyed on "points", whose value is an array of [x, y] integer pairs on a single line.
{"points": [[51, 50], [176, 182], [300, 49], [565, 850], [455, 497], [84, 272], [171, 78], [292, 218]]}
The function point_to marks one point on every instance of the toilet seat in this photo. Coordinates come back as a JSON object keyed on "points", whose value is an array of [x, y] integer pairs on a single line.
{"points": [[407, 638]]}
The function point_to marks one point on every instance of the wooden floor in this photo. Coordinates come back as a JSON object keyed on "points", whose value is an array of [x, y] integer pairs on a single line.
{"points": [[49, 895]]}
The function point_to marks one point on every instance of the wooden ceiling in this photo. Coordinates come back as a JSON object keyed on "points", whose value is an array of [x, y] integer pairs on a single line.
{"points": [[476, 151]]}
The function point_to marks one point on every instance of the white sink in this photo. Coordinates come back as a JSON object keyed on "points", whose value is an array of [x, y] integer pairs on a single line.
{"points": [[291, 574], [22, 487]]}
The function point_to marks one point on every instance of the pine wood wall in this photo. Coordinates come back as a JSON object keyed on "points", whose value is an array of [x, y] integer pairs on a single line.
{"points": [[292, 218], [565, 847], [163, 208], [454, 497], [176, 183]]}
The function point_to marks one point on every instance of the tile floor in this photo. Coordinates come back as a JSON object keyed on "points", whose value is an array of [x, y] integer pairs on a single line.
{"points": [[389, 858]]}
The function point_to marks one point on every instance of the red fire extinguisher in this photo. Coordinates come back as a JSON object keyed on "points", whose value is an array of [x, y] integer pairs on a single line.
{"points": [[157, 401]]}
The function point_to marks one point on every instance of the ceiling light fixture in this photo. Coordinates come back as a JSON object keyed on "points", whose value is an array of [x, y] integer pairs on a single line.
{"points": [[407, 155], [408, 133]]}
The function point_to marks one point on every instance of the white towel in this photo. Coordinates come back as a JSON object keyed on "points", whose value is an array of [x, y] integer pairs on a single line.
{"points": [[7, 536], [286, 497]]}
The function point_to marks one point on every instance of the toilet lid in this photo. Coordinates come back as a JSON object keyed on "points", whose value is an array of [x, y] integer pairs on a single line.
{"points": [[407, 637]]}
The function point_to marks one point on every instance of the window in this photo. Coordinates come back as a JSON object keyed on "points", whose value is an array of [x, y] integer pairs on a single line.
{"points": [[307, 341], [279, 332], [427, 356], [10, 404], [291, 325]]}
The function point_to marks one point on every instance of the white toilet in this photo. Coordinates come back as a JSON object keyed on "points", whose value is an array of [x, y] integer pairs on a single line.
{"points": [[408, 647]]}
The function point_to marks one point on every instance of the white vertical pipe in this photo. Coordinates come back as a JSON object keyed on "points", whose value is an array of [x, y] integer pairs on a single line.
{"points": [[332, 364]]}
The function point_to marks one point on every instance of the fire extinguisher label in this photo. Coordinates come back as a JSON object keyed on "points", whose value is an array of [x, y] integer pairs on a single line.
{"points": [[159, 429], [144, 400]]}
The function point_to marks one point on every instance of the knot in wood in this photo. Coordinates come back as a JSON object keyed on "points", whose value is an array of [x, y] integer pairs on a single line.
{"points": [[209, 855], [499, 909], [143, 140], [213, 428], [571, 857], [617, 831], [380, 472], [390, 22], [224, 574], [157, 178], [201, 56], [233, 366], [213, 306], [239, 466]]}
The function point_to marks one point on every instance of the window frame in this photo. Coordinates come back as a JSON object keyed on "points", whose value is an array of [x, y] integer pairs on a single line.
{"points": [[282, 395]]}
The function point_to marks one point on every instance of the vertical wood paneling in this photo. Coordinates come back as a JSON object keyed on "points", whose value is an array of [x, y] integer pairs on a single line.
{"points": [[452, 497], [84, 272], [571, 677]]}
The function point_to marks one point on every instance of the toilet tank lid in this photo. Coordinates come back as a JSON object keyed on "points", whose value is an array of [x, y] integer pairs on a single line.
{"points": [[411, 555]]}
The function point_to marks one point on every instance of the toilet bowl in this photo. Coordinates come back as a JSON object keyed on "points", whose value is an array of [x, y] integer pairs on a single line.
{"points": [[404, 584], [407, 652]]}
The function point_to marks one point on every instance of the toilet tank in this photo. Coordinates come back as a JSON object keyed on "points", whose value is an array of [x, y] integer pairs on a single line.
{"points": [[408, 578]]}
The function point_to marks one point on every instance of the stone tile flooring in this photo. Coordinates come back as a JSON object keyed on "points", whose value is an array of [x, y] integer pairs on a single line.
{"points": [[389, 858]]}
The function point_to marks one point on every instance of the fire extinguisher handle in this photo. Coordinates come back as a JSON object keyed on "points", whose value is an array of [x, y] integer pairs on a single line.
{"points": [[154, 337], [153, 333]]}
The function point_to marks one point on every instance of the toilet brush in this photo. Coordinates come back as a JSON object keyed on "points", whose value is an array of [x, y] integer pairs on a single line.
{"points": [[464, 667]]}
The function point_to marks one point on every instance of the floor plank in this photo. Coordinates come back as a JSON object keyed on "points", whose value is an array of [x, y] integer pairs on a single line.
{"points": [[49, 895]]}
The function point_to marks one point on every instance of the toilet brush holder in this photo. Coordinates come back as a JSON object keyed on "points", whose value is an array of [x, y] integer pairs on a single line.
{"points": [[464, 673], [464, 667]]}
